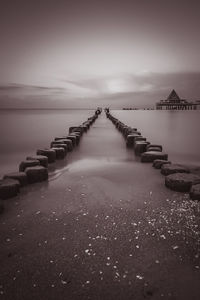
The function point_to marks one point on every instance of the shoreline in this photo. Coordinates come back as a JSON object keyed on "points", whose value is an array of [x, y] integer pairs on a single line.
{"points": [[103, 227]]}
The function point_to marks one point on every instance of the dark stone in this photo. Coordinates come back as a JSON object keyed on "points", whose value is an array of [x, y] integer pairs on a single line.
{"points": [[156, 146], [181, 182], [59, 145], [153, 148], [140, 147], [168, 169], [139, 138], [42, 159], [73, 139], [67, 142], [150, 156], [1, 207], [76, 128], [49, 153], [129, 131], [36, 174], [195, 192], [85, 128], [87, 123], [130, 139], [77, 135], [60, 152], [158, 163], [19, 176], [9, 188], [28, 163]]}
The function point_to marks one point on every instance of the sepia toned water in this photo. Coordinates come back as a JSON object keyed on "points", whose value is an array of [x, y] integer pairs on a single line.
{"points": [[177, 131], [24, 131]]}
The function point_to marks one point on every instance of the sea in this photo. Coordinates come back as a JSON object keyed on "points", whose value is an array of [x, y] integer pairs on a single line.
{"points": [[24, 131]]}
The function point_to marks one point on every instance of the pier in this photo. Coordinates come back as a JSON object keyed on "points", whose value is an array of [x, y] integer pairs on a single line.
{"points": [[174, 102]]}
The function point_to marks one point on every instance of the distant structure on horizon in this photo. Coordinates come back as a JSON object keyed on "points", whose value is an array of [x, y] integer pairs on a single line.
{"points": [[174, 102]]}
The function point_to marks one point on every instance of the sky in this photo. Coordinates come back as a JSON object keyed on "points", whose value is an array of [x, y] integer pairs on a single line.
{"points": [[88, 53]]}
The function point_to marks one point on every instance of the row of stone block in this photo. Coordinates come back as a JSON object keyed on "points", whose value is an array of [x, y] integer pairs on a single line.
{"points": [[177, 177], [137, 142], [35, 168]]}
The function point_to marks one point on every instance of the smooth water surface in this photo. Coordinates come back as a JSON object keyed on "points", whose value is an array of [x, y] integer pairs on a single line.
{"points": [[24, 131], [176, 131]]}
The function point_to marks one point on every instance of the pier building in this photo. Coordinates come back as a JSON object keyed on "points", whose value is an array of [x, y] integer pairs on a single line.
{"points": [[174, 102]]}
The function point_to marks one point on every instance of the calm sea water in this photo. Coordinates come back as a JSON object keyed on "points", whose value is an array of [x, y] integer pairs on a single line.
{"points": [[177, 131], [24, 131]]}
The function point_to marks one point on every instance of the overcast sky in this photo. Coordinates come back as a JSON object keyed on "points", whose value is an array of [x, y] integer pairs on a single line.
{"points": [[89, 53]]}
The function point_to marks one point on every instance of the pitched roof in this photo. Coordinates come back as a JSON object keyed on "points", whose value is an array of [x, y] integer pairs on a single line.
{"points": [[173, 96]]}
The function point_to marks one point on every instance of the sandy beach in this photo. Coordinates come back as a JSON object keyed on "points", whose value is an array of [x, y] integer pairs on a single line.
{"points": [[103, 227]]}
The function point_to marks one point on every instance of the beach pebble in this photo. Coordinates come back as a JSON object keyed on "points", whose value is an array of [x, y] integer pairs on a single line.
{"points": [[9, 188], [150, 156], [158, 163], [19, 176], [42, 159], [28, 163], [168, 169], [181, 182], [195, 192], [36, 174], [60, 152], [49, 153]]}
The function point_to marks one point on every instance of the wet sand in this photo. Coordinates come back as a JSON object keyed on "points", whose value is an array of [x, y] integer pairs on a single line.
{"points": [[103, 227]]}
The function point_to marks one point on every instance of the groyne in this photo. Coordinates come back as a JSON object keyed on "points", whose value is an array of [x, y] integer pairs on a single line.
{"points": [[35, 168], [177, 177]]}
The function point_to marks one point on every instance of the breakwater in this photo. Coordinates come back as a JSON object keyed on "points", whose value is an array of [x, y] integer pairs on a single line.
{"points": [[177, 177], [34, 168]]}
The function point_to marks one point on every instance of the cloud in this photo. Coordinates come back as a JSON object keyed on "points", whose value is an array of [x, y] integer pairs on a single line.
{"points": [[139, 89]]}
